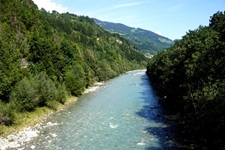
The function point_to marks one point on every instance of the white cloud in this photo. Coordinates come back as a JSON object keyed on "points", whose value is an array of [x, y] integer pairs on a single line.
{"points": [[176, 7], [158, 32], [49, 5], [127, 5]]}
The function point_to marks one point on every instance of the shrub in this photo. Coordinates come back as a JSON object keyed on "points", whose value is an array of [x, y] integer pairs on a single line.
{"points": [[75, 80], [46, 89], [53, 105], [61, 93], [25, 95], [7, 113], [36, 91]]}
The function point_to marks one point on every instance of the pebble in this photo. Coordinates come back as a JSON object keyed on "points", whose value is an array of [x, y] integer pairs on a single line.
{"points": [[113, 126], [141, 144], [18, 140], [53, 135], [32, 147]]}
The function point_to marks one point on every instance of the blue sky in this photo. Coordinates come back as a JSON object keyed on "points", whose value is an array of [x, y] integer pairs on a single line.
{"points": [[170, 18]]}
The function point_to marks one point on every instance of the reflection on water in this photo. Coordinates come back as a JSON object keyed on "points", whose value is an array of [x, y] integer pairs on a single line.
{"points": [[123, 114]]}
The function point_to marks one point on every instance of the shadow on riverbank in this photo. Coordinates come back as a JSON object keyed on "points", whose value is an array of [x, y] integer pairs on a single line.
{"points": [[163, 125]]}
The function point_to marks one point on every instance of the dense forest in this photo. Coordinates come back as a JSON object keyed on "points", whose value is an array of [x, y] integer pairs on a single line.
{"points": [[46, 57], [145, 41], [190, 79]]}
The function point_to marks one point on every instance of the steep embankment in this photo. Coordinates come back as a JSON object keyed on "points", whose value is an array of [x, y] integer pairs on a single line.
{"points": [[44, 57], [190, 78]]}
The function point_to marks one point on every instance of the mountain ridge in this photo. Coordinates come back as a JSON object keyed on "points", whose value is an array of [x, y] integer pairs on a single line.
{"points": [[144, 40]]}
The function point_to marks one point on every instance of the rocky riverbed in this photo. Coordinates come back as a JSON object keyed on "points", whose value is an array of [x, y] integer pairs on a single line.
{"points": [[19, 139]]}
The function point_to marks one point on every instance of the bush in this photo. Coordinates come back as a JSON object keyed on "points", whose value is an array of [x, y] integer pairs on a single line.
{"points": [[25, 95], [75, 80], [53, 105], [61, 94], [47, 90], [36, 91], [7, 113]]}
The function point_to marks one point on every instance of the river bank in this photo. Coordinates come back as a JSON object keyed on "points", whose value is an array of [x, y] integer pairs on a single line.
{"points": [[122, 114], [18, 135]]}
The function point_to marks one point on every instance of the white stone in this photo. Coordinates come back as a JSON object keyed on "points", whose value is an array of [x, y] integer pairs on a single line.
{"points": [[32, 147]]}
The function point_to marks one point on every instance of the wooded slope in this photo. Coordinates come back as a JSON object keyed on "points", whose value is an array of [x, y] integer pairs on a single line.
{"points": [[190, 77], [46, 56]]}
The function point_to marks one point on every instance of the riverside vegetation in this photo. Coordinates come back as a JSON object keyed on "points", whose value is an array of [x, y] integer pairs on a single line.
{"points": [[46, 57], [190, 79]]}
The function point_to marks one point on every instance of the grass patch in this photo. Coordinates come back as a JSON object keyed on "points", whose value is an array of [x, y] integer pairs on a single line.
{"points": [[26, 119]]}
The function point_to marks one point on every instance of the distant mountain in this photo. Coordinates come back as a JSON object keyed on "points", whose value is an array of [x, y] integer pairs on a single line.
{"points": [[144, 40], [45, 57]]}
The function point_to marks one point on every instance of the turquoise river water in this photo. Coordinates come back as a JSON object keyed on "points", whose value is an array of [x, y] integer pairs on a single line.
{"points": [[122, 114]]}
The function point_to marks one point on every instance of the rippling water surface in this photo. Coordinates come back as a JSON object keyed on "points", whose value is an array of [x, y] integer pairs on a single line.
{"points": [[122, 114]]}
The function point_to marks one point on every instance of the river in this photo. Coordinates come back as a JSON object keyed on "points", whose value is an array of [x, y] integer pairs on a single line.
{"points": [[122, 114]]}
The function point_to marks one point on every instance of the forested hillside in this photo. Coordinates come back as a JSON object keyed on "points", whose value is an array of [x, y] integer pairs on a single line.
{"points": [[46, 56], [190, 78], [146, 41]]}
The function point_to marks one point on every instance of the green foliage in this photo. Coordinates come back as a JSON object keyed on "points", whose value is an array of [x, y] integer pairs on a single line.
{"points": [[145, 41], [75, 80], [190, 75], [25, 95], [104, 71], [9, 55], [217, 22], [53, 105], [7, 113], [45, 56], [61, 93], [36, 91]]}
